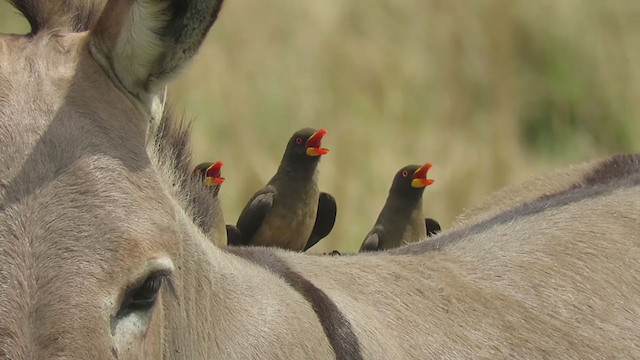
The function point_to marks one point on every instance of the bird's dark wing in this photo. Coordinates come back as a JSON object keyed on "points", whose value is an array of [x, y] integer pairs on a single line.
{"points": [[253, 215], [371, 242], [325, 219], [234, 236], [433, 227]]}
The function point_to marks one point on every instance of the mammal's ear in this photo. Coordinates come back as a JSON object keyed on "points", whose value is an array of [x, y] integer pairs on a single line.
{"points": [[141, 43]]}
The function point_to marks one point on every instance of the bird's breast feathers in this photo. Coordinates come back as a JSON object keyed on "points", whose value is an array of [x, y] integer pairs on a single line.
{"points": [[287, 228]]}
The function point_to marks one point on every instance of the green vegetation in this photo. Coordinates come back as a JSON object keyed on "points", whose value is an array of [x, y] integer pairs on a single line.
{"points": [[489, 91]]}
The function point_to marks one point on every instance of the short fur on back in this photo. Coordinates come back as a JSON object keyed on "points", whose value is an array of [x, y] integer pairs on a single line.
{"points": [[588, 181]]}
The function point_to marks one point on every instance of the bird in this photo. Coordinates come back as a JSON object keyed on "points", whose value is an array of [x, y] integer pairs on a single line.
{"points": [[401, 220], [210, 173], [290, 212]]}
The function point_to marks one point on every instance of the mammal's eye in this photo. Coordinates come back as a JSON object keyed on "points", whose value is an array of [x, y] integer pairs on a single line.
{"points": [[143, 297]]}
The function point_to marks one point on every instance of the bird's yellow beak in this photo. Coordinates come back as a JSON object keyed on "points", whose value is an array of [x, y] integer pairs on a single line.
{"points": [[212, 174], [420, 177], [314, 144], [211, 181]]}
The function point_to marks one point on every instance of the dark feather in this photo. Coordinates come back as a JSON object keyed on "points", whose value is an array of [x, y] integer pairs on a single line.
{"points": [[433, 227], [325, 219], [254, 213], [234, 236], [370, 243]]}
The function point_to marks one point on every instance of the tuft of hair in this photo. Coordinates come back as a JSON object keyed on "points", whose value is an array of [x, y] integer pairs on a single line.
{"points": [[60, 15], [172, 145]]}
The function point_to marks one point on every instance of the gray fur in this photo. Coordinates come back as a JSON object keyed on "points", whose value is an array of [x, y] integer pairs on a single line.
{"points": [[90, 207], [59, 15]]}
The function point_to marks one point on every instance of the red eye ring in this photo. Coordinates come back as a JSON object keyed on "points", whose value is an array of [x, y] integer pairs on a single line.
{"points": [[298, 141], [405, 173]]}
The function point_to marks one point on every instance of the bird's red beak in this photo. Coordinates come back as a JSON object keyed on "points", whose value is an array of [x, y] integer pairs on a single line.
{"points": [[212, 174], [314, 144], [420, 177]]}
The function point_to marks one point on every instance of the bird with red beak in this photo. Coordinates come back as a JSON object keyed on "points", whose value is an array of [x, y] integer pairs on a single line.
{"points": [[211, 176], [290, 212], [401, 220]]}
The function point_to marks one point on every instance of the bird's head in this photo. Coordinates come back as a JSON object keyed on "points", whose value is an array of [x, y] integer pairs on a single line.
{"points": [[306, 146], [411, 179], [210, 173]]}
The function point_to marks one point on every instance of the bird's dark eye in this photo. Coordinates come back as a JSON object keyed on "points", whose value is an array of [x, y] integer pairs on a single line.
{"points": [[298, 141], [144, 296], [405, 173]]}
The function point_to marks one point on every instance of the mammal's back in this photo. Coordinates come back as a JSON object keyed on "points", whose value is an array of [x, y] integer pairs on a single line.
{"points": [[557, 276]]}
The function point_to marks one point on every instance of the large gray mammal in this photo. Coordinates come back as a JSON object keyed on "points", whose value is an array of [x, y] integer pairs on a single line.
{"points": [[103, 255]]}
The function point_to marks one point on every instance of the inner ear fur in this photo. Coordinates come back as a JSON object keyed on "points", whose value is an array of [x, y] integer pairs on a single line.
{"points": [[142, 43]]}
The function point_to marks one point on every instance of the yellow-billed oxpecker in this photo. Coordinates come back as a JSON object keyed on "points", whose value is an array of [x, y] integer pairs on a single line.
{"points": [[401, 220], [211, 175], [290, 212]]}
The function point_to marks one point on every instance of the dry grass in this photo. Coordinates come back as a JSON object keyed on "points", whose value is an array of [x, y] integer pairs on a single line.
{"points": [[489, 91]]}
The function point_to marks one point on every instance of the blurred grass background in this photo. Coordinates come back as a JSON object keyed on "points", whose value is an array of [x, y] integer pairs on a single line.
{"points": [[489, 91]]}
